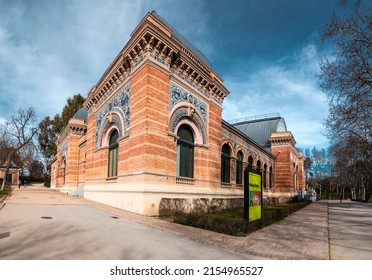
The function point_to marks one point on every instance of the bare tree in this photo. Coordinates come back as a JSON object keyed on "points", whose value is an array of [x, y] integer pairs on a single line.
{"points": [[18, 134], [346, 77]]}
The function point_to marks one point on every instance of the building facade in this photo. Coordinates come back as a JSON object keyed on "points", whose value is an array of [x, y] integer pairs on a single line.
{"points": [[12, 176], [151, 134]]}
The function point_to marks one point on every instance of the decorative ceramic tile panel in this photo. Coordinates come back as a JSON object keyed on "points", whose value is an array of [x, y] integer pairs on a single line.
{"points": [[119, 104], [178, 94]]}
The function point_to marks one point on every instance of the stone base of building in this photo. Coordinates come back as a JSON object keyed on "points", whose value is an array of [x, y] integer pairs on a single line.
{"points": [[154, 200], [171, 206], [279, 197], [73, 191]]}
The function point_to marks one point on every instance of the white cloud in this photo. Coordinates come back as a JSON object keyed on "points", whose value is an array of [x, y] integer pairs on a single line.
{"points": [[71, 43], [68, 46], [289, 87], [64, 52]]}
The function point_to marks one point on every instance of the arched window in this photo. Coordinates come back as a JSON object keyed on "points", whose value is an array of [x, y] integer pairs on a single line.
{"points": [[271, 177], [63, 168], [250, 162], [225, 164], [264, 176], [185, 152], [258, 167], [239, 168], [113, 154], [295, 176]]}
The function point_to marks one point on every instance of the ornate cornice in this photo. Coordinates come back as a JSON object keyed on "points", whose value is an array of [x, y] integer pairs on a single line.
{"points": [[74, 127], [154, 41], [284, 138], [280, 142]]}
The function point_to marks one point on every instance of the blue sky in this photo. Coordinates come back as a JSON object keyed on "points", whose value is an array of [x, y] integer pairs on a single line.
{"points": [[267, 52]]}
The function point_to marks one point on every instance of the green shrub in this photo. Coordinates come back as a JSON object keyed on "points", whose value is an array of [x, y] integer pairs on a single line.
{"points": [[232, 222]]}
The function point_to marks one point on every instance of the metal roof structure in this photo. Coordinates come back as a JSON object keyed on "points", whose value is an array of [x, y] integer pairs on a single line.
{"points": [[81, 114], [260, 128], [184, 41]]}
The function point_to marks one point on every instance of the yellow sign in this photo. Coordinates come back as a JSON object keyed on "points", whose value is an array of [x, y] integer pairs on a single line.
{"points": [[255, 203], [254, 182]]}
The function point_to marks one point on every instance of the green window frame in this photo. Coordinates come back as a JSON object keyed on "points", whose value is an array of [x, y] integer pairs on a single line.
{"points": [[185, 152], [225, 164], [113, 154], [271, 177], [239, 168]]}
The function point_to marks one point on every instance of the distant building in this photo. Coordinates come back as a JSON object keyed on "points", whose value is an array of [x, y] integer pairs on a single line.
{"points": [[13, 173], [150, 135]]}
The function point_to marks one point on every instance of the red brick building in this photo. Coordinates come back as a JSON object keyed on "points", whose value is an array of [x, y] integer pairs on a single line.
{"points": [[12, 174], [151, 134]]}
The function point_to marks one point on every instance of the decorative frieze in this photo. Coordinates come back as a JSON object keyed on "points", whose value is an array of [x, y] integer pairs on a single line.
{"points": [[139, 61], [158, 59], [178, 94], [190, 83], [119, 110]]}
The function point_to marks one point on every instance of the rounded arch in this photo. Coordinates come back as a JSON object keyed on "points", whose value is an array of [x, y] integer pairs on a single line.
{"points": [[112, 138], [63, 167], [258, 165], [63, 162], [186, 113], [239, 167], [197, 135], [271, 174], [226, 149], [241, 150], [105, 139], [113, 120], [264, 176], [240, 155], [228, 144], [250, 161], [226, 152]]}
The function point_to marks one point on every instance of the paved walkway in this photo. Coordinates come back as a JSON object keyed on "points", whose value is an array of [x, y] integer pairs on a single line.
{"points": [[323, 230], [350, 230], [38, 223]]}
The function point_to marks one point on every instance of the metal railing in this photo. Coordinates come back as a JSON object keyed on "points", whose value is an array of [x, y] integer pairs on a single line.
{"points": [[253, 118]]}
